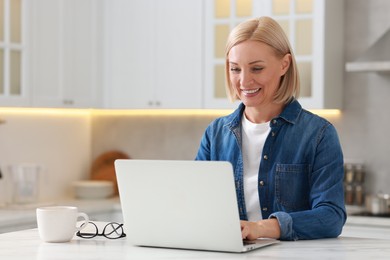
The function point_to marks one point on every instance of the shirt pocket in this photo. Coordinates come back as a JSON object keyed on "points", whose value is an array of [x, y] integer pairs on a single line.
{"points": [[292, 186]]}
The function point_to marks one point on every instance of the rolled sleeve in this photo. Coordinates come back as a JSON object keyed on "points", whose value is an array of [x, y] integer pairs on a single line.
{"points": [[285, 224]]}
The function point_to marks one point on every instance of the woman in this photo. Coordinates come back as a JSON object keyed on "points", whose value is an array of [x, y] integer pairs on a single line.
{"points": [[288, 163]]}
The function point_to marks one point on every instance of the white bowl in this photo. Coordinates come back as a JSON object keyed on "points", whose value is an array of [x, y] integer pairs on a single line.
{"points": [[93, 189]]}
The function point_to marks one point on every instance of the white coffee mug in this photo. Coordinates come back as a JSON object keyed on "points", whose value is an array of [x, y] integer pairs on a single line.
{"points": [[58, 223]]}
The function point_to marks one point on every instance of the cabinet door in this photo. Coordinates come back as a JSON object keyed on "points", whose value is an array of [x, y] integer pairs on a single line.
{"points": [[64, 53], [221, 16], [314, 28], [45, 51], [154, 54], [129, 60], [80, 55], [178, 51], [14, 88]]}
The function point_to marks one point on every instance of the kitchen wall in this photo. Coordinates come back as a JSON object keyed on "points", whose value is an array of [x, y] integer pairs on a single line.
{"points": [[364, 126], [58, 141], [149, 136], [67, 144]]}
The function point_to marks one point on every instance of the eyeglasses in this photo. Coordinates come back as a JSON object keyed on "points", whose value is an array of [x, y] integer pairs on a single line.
{"points": [[111, 230]]}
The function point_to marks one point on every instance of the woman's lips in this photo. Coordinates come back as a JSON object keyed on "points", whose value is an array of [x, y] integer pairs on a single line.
{"points": [[250, 91]]}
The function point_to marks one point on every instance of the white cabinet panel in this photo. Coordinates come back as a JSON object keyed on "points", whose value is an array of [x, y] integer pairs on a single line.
{"points": [[154, 54], [45, 48], [14, 81], [164, 53], [64, 53], [128, 60], [315, 30], [80, 53]]}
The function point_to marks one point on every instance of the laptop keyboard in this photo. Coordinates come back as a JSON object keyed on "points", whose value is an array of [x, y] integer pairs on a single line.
{"points": [[247, 242]]}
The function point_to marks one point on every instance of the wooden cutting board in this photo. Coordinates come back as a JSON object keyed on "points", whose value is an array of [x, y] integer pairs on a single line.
{"points": [[103, 167]]}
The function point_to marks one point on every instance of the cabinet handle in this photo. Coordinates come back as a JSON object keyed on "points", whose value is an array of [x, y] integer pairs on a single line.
{"points": [[154, 103], [68, 102]]}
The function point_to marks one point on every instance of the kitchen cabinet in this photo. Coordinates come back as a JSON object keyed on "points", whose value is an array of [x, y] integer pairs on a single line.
{"points": [[153, 54], [165, 54], [64, 47], [19, 217], [315, 30], [13, 53]]}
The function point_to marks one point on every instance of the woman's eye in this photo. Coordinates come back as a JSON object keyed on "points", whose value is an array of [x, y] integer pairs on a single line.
{"points": [[257, 69], [235, 70]]}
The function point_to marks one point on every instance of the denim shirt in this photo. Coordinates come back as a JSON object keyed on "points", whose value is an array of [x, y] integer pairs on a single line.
{"points": [[300, 180]]}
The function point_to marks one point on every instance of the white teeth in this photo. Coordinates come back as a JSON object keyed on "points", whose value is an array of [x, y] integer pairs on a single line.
{"points": [[250, 91]]}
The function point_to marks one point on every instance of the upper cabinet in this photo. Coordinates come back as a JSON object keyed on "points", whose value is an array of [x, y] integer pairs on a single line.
{"points": [[64, 46], [220, 18], [49, 53], [154, 54], [13, 53], [315, 30]]}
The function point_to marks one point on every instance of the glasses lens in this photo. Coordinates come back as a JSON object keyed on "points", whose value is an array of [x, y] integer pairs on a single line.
{"points": [[113, 230], [89, 231]]}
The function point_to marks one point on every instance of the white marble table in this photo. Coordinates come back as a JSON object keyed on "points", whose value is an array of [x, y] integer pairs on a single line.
{"points": [[27, 245], [20, 217], [362, 238]]}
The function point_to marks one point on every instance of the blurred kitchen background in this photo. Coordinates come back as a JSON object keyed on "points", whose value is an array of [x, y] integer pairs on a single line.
{"points": [[103, 52]]}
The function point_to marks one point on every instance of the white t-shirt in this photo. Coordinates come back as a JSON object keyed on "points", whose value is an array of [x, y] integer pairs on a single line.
{"points": [[253, 139]]}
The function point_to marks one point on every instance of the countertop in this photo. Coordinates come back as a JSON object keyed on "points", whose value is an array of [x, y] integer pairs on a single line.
{"points": [[362, 237], [14, 218], [19, 217], [27, 245]]}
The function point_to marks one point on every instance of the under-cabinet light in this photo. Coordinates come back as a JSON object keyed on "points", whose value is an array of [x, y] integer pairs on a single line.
{"points": [[140, 112]]}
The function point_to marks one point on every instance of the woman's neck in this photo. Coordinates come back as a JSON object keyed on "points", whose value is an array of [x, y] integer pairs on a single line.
{"points": [[263, 114]]}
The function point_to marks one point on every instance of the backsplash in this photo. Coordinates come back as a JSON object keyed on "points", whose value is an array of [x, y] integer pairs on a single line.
{"points": [[149, 136], [58, 142]]}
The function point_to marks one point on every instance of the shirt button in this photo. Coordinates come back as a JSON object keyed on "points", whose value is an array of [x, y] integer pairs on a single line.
{"points": [[265, 209], [261, 183], [274, 121], [265, 157], [273, 134]]}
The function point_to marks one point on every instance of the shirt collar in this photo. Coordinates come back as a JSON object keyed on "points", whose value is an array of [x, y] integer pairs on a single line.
{"points": [[290, 113]]}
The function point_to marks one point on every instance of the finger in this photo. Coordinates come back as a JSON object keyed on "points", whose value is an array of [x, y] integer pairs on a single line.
{"points": [[243, 223], [244, 231]]}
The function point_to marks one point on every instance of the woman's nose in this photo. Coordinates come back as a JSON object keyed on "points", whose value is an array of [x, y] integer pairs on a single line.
{"points": [[246, 80]]}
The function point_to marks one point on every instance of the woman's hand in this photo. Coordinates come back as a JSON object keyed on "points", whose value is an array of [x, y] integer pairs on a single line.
{"points": [[268, 228]]}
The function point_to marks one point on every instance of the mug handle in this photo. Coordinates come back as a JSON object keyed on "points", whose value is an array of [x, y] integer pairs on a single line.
{"points": [[86, 220]]}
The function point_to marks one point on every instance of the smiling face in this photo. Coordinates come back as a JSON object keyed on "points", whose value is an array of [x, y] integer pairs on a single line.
{"points": [[255, 72]]}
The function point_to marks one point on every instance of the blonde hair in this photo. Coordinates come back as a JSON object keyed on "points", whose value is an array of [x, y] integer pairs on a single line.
{"points": [[268, 31]]}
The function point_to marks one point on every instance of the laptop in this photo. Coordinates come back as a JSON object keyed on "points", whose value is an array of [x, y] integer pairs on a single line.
{"points": [[181, 204]]}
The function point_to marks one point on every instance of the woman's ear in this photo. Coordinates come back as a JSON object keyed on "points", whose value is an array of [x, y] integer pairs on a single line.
{"points": [[286, 61]]}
